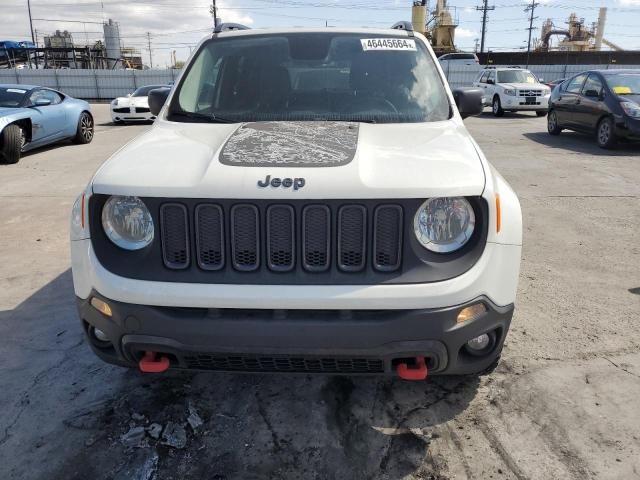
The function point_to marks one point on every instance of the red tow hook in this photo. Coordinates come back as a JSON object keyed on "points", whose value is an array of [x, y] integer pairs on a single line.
{"points": [[417, 372], [150, 364]]}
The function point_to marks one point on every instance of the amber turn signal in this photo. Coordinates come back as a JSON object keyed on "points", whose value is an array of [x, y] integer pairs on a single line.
{"points": [[102, 307], [471, 312]]}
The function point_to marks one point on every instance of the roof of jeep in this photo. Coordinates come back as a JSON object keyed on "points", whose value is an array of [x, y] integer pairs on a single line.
{"points": [[271, 31]]}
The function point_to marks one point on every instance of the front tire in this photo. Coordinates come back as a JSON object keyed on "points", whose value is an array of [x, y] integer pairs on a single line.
{"points": [[85, 130], [11, 143], [497, 107], [552, 124], [605, 134]]}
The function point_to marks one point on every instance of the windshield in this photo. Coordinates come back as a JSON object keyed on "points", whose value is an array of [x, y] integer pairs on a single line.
{"points": [[309, 76], [11, 97], [516, 76], [624, 83], [144, 91]]}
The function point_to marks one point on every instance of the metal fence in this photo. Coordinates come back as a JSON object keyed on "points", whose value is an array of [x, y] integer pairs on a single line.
{"points": [[109, 84], [464, 75], [90, 84]]}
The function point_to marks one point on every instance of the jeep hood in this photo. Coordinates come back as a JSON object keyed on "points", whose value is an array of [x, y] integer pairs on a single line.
{"points": [[335, 159]]}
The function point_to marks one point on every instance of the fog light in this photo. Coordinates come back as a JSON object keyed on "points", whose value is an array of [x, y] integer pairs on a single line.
{"points": [[100, 335], [479, 343], [471, 312], [101, 306]]}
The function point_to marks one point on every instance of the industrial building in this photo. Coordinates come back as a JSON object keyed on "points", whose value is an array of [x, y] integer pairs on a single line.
{"points": [[61, 51]]}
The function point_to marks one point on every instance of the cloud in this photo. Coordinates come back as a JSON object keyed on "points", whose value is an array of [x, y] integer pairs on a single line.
{"points": [[627, 3], [465, 33]]}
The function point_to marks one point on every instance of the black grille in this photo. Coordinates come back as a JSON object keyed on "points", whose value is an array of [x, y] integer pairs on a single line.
{"points": [[122, 110], [245, 237], [210, 237], [175, 235], [387, 231], [142, 110], [273, 236], [316, 238], [280, 237], [204, 361], [352, 235]]}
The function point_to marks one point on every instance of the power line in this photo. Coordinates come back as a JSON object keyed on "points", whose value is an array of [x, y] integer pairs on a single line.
{"points": [[484, 9]]}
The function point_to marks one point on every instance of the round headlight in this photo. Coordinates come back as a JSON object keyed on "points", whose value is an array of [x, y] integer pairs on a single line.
{"points": [[127, 222], [445, 224]]}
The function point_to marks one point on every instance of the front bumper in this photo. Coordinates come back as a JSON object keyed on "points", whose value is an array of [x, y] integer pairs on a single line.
{"points": [[628, 128], [131, 116], [295, 341], [519, 103]]}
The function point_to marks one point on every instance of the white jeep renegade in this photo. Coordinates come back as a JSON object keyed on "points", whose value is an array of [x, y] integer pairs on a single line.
{"points": [[513, 89], [307, 201]]}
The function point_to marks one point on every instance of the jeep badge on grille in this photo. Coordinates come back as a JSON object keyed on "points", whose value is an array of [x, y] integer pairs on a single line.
{"points": [[276, 182]]}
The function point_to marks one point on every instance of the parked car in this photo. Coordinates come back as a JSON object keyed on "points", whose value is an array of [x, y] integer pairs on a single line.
{"points": [[513, 89], [32, 117], [134, 107], [604, 103], [554, 83], [458, 59], [304, 202]]}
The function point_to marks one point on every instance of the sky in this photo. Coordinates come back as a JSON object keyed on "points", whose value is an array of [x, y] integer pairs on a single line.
{"points": [[180, 24]]}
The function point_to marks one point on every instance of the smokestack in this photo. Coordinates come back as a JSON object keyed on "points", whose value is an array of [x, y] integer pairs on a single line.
{"points": [[602, 18], [419, 17]]}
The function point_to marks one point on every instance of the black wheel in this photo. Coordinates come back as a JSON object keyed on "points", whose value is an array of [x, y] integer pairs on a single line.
{"points": [[11, 142], [541, 113], [84, 133], [606, 134], [552, 124], [497, 107]]}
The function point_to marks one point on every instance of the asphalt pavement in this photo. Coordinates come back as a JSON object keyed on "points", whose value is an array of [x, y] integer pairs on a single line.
{"points": [[563, 403]]}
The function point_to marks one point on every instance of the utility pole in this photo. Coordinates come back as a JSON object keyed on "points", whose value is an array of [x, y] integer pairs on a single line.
{"points": [[477, 42], [150, 56], [484, 9], [33, 37], [530, 8], [214, 12]]}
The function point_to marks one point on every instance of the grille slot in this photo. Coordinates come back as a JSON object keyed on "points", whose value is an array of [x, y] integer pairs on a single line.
{"points": [[316, 238], [174, 227], [205, 361], [387, 238], [210, 237], [245, 237], [280, 238], [352, 236]]}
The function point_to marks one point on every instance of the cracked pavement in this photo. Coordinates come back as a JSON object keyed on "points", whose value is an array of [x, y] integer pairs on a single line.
{"points": [[562, 404]]}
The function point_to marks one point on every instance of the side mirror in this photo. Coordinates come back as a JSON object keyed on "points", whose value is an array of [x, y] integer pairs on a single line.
{"points": [[469, 101], [157, 98], [490, 81], [42, 102], [541, 80], [591, 93]]}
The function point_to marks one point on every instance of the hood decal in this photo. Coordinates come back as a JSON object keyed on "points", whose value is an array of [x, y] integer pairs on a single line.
{"points": [[291, 144]]}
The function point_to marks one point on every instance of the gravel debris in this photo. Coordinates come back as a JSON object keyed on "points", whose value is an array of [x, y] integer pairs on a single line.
{"points": [[174, 435], [154, 430], [133, 438]]}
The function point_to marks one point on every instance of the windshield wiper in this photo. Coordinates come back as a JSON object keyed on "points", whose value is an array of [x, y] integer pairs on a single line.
{"points": [[210, 118]]}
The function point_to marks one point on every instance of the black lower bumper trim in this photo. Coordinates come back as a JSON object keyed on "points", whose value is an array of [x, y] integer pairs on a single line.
{"points": [[295, 341]]}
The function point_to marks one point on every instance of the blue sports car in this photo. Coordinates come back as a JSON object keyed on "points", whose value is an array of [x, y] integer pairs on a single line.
{"points": [[31, 117]]}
